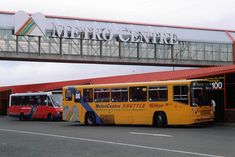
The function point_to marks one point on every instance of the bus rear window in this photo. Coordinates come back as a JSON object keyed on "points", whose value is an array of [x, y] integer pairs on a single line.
{"points": [[102, 95], [138, 93], [157, 93]]}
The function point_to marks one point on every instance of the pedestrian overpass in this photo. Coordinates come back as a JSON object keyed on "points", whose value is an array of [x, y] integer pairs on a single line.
{"points": [[35, 37]]}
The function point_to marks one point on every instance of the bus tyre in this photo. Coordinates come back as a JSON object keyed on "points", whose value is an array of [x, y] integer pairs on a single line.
{"points": [[21, 117], [90, 119], [159, 119], [50, 117]]}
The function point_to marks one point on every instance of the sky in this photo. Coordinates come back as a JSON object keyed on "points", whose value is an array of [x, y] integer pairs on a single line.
{"points": [[196, 13]]}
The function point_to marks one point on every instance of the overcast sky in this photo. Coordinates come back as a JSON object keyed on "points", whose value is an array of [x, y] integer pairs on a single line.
{"points": [[195, 13]]}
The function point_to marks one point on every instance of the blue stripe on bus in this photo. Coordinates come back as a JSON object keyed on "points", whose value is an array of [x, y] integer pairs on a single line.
{"points": [[86, 106]]}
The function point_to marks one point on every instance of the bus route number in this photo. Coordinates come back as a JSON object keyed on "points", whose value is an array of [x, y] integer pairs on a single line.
{"points": [[217, 85]]}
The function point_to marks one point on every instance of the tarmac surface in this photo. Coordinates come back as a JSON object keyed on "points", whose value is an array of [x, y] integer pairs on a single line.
{"points": [[70, 139]]}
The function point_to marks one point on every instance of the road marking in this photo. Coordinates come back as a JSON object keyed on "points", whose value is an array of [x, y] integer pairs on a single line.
{"points": [[110, 142], [148, 134]]}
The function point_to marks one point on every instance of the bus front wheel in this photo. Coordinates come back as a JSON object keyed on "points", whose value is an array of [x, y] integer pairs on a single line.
{"points": [[90, 118], [159, 119]]}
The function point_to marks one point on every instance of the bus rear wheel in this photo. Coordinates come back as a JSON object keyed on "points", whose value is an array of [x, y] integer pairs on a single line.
{"points": [[159, 119], [21, 117], [90, 118], [50, 117]]}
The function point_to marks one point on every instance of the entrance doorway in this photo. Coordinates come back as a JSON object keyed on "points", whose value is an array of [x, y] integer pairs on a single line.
{"points": [[218, 97], [4, 101]]}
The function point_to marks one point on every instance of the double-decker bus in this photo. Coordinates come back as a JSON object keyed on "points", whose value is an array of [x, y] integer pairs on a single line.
{"points": [[38, 105], [181, 102]]}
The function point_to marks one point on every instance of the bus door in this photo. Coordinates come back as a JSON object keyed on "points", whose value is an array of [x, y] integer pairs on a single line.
{"points": [[181, 103], [38, 109], [137, 106]]}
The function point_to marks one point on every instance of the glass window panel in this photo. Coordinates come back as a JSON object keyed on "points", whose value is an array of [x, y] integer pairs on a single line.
{"points": [[161, 52], [54, 45], [146, 50], [33, 44], [208, 55], [129, 50], [200, 55], [119, 94], [158, 93], [208, 47], [216, 47], [200, 46], [230, 57], [91, 48], [224, 56], [230, 48], [193, 47], [102, 95], [138, 93], [223, 47], [110, 48], [216, 56]]}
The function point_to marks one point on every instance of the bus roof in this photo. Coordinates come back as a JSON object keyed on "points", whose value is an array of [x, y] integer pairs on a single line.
{"points": [[137, 83], [31, 93]]}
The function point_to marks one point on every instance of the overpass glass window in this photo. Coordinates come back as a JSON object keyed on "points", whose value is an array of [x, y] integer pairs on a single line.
{"points": [[208, 51], [230, 52], [102, 95], [54, 46], [119, 94], [110, 48], [68, 94], [138, 93], [181, 94], [129, 50], [91, 47], [146, 50], [158, 93], [88, 95]]}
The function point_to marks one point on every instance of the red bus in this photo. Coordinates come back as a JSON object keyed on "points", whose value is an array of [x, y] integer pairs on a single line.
{"points": [[40, 105]]}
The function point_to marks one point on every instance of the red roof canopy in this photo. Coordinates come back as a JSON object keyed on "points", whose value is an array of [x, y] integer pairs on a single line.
{"points": [[153, 76]]}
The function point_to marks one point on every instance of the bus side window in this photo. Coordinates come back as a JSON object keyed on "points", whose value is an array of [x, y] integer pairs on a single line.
{"points": [[88, 95], [158, 93], [119, 94], [15, 101], [138, 93], [77, 96], [68, 94], [49, 103], [102, 95], [181, 93]]}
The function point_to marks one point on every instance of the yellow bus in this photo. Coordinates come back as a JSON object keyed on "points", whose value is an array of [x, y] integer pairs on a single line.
{"points": [[180, 102]]}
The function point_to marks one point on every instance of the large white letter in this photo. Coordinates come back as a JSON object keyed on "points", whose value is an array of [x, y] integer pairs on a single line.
{"points": [[96, 34], [57, 30], [173, 39], [107, 34], [123, 33], [135, 37]]}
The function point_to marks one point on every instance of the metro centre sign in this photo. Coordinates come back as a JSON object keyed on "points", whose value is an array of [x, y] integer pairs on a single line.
{"points": [[35, 25]]}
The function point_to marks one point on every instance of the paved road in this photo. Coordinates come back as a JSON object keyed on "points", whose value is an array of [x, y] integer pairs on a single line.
{"points": [[65, 139]]}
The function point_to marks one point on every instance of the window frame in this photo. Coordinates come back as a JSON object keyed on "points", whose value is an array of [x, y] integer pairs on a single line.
{"points": [[158, 88], [180, 95]]}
